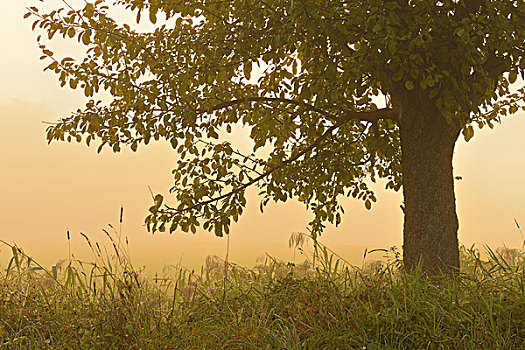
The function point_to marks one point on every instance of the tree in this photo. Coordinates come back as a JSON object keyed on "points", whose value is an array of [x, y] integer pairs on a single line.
{"points": [[334, 93]]}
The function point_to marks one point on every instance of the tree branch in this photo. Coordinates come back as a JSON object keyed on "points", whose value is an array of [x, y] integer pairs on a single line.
{"points": [[268, 172], [308, 106], [369, 116], [373, 116]]}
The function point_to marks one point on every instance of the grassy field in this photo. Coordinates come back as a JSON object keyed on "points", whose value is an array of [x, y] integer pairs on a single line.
{"points": [[323, 303]]}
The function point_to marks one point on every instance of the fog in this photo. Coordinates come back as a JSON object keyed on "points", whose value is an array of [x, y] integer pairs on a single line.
{"points": [[47, 190]]}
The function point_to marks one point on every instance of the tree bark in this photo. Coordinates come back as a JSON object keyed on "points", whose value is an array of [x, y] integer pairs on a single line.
{"points": [[430, 233]]}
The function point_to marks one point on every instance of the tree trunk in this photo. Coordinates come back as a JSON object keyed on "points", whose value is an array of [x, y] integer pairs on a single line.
{"points": [[430, 233]]}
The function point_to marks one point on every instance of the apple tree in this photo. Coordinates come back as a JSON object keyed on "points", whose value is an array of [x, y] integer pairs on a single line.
{"points": [[335, 94]]}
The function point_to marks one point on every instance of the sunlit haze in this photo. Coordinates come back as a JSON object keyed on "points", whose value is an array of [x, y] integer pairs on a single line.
{"points": [[46, 190]]}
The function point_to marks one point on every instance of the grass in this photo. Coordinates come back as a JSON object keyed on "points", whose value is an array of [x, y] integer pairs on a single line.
{"points": [[323, 303]]}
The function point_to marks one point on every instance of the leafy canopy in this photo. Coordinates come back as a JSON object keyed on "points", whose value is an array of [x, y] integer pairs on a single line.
{"points": [[315, 83]]}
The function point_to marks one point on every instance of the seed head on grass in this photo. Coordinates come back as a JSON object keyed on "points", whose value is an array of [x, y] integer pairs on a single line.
{"points": [[276, 305]]}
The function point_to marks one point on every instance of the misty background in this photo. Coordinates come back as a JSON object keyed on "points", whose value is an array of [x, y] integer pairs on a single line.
{"points": [[46, 190]]}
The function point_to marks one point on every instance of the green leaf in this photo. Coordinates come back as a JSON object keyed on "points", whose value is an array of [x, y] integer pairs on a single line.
{"points": [[513, 76], [89, 10], [247, 69], [52, 66], [153, 15], [468, 132], [86, 37], [158, 200], [397, 75], [218, 229], [88, 90], [409, 85]]}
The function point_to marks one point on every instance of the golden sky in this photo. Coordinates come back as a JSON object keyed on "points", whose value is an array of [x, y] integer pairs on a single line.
{"points": [[46, 190]]}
